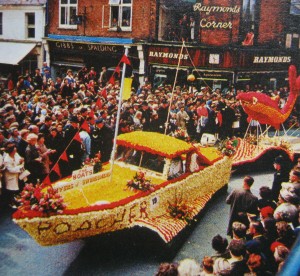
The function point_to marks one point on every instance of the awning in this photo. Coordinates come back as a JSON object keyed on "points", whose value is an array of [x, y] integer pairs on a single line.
{"points": [[13, 52]]}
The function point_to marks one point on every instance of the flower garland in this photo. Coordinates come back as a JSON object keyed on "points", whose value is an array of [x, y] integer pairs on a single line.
{"points": [[139, 182], [33, 198]]}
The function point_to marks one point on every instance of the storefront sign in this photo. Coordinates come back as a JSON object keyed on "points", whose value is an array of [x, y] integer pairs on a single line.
{"points": [[87, 47], [167, 55], [82, 173], [219, 22], [272, 59]]}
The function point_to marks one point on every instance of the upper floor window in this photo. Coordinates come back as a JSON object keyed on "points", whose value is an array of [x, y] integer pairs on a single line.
{"points": [[121, 14], [1, 23], [68, 12], [249, 22], [30, 24]]}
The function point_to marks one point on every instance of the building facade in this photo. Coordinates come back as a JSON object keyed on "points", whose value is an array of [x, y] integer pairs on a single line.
{"points": [[22, 29], [226, 43]]}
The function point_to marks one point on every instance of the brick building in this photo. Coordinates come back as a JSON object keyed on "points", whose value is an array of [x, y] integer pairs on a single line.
{"points": [[234, 42]]}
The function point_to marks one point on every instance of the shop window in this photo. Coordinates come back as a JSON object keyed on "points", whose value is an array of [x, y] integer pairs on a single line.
{"points": [[30, 24], [249, 22], [120, 14], [68, 13]]}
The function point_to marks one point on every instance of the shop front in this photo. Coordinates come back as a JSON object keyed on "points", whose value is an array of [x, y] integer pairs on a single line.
{"points": [[67, 53], [266, 68], [211, 66]]}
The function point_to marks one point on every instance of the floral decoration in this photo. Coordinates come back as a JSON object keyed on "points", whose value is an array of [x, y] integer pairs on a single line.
{"points": [[180, 210], [139, 182], [155, 143], [34, 198], [228, 147], [181, 134]]}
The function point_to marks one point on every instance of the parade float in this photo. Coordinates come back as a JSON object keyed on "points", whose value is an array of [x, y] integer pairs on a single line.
{"points": [[158, 182], [262, 109]]}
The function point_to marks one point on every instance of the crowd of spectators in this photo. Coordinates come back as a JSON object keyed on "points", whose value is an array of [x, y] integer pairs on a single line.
{"points": [[261, 232], [41, 115]]}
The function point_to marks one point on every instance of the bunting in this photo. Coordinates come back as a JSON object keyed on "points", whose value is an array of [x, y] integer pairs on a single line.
{"points": [[112, 80], [77, 137], [118, 70], [103, 94], [57, 169], [125, 60], [85, 126], [47, 180], [64, 156]]}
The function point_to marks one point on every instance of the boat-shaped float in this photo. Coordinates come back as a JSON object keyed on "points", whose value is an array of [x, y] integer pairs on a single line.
{"points": [[181, 175]]}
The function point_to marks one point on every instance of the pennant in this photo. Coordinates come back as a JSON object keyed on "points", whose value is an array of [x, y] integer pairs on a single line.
{"points": [[57, 170], [47, 181], [77, 137], [64, 156], [104, 94], [127, 88], [99, 104], [118, 70], [125, 60], [85, 126], [112, 80]]}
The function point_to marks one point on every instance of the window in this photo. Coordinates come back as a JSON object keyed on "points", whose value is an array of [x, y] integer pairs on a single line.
{"points": [[30, 18], [1, 23], [249, 22], [120, 14], [68, 13]]}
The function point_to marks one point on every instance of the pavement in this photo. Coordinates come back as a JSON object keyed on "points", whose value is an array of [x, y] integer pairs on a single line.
{"points": [[131, 252]]}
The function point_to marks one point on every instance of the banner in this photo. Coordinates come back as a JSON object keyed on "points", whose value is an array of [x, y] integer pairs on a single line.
{"points": [[127, 88]]}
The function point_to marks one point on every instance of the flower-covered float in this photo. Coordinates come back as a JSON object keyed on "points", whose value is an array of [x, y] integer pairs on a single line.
{"points": [[151, 171]]}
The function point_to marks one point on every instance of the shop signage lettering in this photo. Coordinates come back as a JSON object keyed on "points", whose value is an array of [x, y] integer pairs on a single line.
{"points": [[272, 59], [220, 9], [64, 45], [101, 48], [168, 55], [86, 47], [207, 23], [215, 25]]}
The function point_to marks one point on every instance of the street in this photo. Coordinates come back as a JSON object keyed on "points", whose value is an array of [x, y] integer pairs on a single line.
{"points": [[130, 252]]}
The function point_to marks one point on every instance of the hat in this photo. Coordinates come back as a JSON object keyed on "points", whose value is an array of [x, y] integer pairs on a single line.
{"points": [[267, 211], [209, 102], [288, 193], [99, 121], [74, 119], [275, 244], [253, 246], [144, 103], [279, 160]]}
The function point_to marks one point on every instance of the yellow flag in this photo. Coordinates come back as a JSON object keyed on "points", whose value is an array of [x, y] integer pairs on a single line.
{"points": [[127, 88]]}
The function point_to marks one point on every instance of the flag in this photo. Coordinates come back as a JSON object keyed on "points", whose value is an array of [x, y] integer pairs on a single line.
{"points": [[125, 60], [127, 88], [99, 104], [64, 156], [112, 80], [77, 137], [118, 70], [85, 126], [104, 94], [57, 169], [47, 181]]}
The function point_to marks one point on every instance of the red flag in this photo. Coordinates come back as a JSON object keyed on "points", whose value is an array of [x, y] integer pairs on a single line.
{"points": [[125, 60], [118, 70], [85, 126], [104, 94], [47, 180], [77, 137], [64, 156], [112, 80], [57, 169]]}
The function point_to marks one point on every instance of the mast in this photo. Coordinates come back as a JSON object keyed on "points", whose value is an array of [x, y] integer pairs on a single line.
{"points": [[175, 80], [112, 156]]}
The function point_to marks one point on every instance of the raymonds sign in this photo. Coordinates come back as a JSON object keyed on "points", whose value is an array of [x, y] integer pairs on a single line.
{"points": [[212, 16]]}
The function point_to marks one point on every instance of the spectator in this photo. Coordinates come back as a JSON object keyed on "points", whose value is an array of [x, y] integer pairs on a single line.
{"points": [[241, 201], [281, 175], [167, 269], [188, 267]]}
